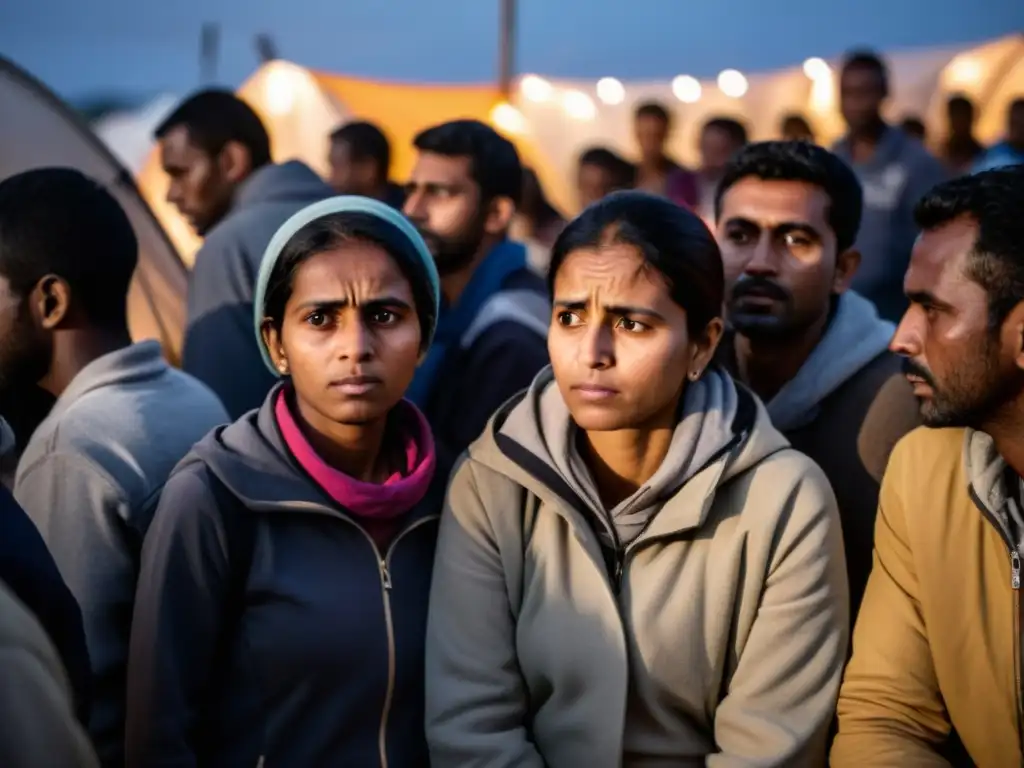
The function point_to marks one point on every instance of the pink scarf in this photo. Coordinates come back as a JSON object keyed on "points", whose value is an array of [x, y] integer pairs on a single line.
{"points": [[378, 506]]}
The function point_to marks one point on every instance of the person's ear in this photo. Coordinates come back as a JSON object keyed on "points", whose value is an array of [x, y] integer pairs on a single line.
{"points": [[847, 264], [1013, 333], [50, 301], [272, 340], [704, 348], [235, 162], [499, 215]]}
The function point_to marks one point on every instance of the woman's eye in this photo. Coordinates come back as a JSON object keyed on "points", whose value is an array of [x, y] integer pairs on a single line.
{"points": [[568, 319], [317, 319]]}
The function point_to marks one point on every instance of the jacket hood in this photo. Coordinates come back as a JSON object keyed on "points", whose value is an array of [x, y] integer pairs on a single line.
{"points": [[855, 336], [988, 477], [408, 245], [516, 444], [250, 458], [290, 182]]}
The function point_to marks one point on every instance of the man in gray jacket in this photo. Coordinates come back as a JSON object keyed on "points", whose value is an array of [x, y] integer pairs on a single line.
{"points": [[895, 170], [216, 154], [92, 472]]}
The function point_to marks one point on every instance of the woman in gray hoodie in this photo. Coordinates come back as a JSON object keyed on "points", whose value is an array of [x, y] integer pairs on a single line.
{"points": [[634, 568]]}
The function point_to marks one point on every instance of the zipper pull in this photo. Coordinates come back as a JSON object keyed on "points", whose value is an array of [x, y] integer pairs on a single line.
{"points": [[385, 574], [1014, 570], [619, 558]]}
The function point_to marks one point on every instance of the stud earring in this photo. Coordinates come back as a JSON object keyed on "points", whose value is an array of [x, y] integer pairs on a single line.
{"points": [[283, 366], [694, 375]]}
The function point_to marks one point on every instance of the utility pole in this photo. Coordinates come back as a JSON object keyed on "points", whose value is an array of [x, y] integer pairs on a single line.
{"points": [[209, 52], [507, 48]]}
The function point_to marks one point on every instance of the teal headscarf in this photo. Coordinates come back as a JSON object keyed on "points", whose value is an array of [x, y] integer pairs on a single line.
{"points": [[417, 251]]}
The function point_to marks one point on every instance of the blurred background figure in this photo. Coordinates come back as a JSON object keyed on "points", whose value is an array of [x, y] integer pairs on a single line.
{"points": [[215, 151], [601, 171], [657, 173], [1010, 151], [720, 139], [537, 220], [360, 160], [796, 128], [915, 128], [961, 150], [895, 171]]}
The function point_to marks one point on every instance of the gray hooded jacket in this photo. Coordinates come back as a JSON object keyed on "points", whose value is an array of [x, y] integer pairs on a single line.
{"points": [[219, 347]]}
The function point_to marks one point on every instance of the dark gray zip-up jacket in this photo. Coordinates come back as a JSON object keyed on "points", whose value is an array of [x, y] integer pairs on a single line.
{"points": [[316, 659]]}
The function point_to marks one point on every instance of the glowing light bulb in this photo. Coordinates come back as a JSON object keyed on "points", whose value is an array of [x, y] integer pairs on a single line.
{"points": [[732, 83], [687, 89], [610, 91], [536, 88], [579, 106]]}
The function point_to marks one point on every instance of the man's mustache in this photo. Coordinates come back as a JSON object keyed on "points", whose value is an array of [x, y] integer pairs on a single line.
{"points": [[910, 368], [754, 285]]}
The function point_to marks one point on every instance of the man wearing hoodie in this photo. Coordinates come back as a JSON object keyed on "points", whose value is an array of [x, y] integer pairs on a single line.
{"points": [[787, 215], [491, 336], [216, 154], [92, 472]]}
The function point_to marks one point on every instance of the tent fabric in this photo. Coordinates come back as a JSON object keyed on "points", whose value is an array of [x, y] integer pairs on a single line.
{"points": [[37, 130], [128, 134], [302, 106]]}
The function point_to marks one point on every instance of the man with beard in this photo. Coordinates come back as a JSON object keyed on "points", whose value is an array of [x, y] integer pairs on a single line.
{"points": [[937, 647], [92, 472], [815, 352], [216, 154], [491, 336]]}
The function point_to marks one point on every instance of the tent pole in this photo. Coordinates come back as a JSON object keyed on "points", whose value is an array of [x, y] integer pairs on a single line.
{"points": [[507, 48]]}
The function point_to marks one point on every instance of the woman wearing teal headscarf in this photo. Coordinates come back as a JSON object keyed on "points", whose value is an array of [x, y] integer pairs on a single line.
{"points": [[282, 601]]}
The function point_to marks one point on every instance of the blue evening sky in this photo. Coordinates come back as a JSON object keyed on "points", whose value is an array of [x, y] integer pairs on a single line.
{"points": [[81, 47]]}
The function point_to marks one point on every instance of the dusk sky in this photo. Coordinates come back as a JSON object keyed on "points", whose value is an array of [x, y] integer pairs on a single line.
{"points": [[84, 47]]}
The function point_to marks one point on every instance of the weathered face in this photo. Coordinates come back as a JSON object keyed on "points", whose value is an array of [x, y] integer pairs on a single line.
{"points": [[198, 185], [619, 345], [961, 368], [861, 93], [780, 257], [443, 201], [350, 336], [26, 350], [651, 135]]}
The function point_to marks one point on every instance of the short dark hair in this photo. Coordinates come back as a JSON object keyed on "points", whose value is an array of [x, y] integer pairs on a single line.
{"points": [[215, 117], [494, 161], [328, 232], [59, 221], [802, 161], [365, 142], [864, 58], [730, 126], [914, 126], [959, 103], [654, 109], [794, 121], [994, 199], [622, 171], [672, 239]]}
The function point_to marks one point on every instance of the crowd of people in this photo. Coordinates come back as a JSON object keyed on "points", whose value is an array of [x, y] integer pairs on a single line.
{"points": [[723, 471]]}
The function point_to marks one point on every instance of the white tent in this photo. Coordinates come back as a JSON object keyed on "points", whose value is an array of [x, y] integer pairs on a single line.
{"points": [[38, 129], [128, 134]]}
